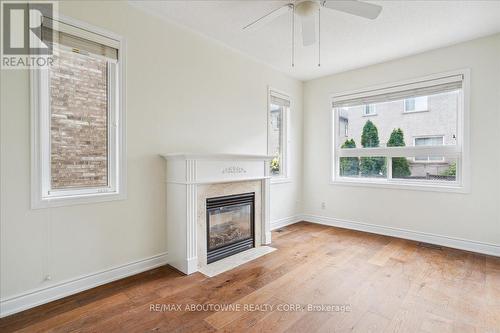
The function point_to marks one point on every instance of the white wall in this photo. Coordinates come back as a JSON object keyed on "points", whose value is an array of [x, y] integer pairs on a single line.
{"points": [[184, 94], [474, 216]]}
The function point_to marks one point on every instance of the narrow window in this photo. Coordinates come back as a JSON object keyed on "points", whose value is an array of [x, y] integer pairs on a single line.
{"points": [[79, 118], [279, 107]]}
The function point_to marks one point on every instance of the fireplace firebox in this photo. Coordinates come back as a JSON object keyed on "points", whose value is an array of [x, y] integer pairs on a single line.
{"points": [[230, 225]]}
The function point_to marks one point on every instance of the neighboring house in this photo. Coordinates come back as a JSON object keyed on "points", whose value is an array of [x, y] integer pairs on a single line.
{"points": [[426, 120]]}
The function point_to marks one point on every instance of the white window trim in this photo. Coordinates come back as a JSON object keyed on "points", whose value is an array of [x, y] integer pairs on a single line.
{"points": [[462, 185], [428, 161], [40, 142], [285, 177]]}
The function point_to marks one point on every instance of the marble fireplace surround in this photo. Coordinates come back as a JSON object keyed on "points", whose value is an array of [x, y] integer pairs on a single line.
{"points": [[190, 180], [222, 189]]}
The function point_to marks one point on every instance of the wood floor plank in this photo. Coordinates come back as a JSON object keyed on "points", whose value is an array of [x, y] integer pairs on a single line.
{"points": [[386, 285]]}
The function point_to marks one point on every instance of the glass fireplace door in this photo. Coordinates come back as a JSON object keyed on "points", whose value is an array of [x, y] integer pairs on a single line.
{"points": [[230, 225]]}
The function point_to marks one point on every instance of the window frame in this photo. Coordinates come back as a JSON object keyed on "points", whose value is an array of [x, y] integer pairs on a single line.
{"points": [[405, 110], [284, 177], [371, 107], [41, 196], [428, 160], [461, 151]]}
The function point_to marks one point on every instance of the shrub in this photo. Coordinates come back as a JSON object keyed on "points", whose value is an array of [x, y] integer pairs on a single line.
{"points": [[400, 165], [371, 166], [451, 171], [349, 166]]}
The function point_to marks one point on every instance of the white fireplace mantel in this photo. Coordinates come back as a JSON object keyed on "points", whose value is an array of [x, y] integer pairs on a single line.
{"points": [[185, 172]]}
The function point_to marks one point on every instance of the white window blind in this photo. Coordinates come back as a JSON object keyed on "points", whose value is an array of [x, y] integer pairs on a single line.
{"points": [[399, 92], [78, 40], [278, 99]]}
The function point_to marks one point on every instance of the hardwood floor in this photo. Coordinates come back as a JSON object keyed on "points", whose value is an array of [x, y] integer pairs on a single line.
{"points": [[386, 285]]}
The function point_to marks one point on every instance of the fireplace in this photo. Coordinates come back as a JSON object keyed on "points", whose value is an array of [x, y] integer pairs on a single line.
{"points": [[230, 225]]}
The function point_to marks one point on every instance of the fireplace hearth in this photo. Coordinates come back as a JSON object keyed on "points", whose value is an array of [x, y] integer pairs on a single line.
{"points": [[230, 225]]}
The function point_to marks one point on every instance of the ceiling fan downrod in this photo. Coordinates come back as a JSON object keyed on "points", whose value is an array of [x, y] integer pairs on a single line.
{"points": [[293, 34], [319, 37]]}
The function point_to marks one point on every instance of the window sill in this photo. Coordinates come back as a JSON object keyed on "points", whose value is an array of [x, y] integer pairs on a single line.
{"points": [[399, 185], [370, 115], [39, 203], [429, 162], [281, 180], [418, 111]]}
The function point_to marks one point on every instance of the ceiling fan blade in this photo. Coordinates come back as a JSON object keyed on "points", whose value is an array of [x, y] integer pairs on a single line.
{"points": [[258, 23], [308, 30], [358, 8]]}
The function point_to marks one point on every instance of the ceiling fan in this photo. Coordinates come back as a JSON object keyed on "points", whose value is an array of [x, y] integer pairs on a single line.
{"points": [[306, 10]]}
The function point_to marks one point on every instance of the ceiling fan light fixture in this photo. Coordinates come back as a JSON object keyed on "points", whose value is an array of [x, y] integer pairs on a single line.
{"points": [[307, 8], [309, 11]]}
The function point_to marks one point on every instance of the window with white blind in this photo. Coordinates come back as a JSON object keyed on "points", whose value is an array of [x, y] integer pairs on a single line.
{"points": [[78, 116], [429, 141], [411, 149], [416, 104], [370, 110], [279, 107]]}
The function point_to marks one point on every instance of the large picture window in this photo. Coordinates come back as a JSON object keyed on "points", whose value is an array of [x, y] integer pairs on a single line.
{"points": [[78, 116], [401, 146], [279, 106]]}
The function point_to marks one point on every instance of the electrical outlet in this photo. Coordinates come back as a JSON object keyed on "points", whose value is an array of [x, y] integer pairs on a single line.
{"points": [[323, 205]]}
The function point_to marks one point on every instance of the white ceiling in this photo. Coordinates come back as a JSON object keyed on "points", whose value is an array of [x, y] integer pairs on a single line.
{"points": [[403, 28]]}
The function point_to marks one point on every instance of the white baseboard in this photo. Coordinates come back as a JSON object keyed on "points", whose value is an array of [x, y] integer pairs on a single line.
{"points": [[280, 223], [37, 297], [457, 243]]}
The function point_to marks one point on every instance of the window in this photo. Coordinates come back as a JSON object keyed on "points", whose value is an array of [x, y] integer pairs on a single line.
{"points": [[344, 122], [416, 104], [429, 141], [279, 106], [426, 151], [369, 110], [78, 113]]}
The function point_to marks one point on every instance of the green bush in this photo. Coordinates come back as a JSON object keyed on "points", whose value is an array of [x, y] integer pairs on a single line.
{"points": [[451, 171], [369, 137], [349, 166], [400, 165], [371, 166]]}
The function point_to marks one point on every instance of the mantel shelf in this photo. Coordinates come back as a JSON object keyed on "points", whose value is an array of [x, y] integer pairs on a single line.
{"points": [[216, 156]]}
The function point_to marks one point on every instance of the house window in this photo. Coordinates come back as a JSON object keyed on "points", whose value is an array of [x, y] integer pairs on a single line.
{"points": [[279, 107], [416, 104], [429, 141], [369, 110], [426, 152], [78, 114]]}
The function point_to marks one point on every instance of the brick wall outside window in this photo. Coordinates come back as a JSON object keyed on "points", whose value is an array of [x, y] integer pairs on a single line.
{"points": [[78, 102]]}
